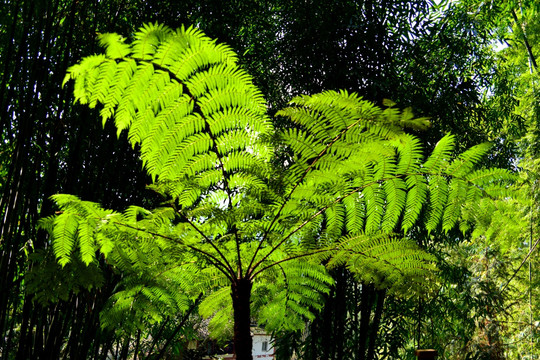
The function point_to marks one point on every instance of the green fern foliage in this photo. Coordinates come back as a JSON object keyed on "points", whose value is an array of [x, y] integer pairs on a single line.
{"points": [[350, 152], [346, 189], [138, 243], [74, 228], [290, 294], [184, 99], [386, 261]]}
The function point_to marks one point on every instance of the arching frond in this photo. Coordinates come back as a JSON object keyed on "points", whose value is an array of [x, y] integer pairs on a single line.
{"points": [[438, 195], [466, 161], [417, 191], [65, 234], [385, 260], [441, 155], [74, 229], [182, 97], [410, 154]]}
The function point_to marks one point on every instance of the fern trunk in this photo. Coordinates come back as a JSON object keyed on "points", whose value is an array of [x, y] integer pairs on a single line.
{"points": [[242, 341]]}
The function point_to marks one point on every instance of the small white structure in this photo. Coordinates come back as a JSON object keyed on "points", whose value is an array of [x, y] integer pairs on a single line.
{"points": [[262, 347], [262, 344]]}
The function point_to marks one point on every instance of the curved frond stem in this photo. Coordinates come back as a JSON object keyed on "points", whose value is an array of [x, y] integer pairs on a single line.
{"points": [[225, 263], [299, 256], [319, 212], [220, 265], [289, 195]]}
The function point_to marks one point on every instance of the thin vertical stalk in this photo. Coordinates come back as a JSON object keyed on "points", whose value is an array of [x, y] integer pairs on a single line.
{"points": [[137, 344], [532, 59]]}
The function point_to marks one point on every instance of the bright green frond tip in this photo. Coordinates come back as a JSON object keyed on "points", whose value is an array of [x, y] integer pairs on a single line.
{"points": [[74, 229], [180, 96]]}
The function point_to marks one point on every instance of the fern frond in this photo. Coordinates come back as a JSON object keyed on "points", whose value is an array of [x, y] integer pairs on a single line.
{"points": [[417, 191], [180, 95], [64, 236], [86, 241], [438, 194], [374, 200], [486, 177], [115, 45], [396, 199], [133, 212], [148, 39], [466, 161], [440, 155], [355, 214], [410, 152], [294, 290], [124, 71], [47, 223], [385, 260], [335, 220], [342, 143], [457, 195]]}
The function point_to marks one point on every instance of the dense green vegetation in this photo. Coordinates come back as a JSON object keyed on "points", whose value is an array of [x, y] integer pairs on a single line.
{"points": [[322, 218]]}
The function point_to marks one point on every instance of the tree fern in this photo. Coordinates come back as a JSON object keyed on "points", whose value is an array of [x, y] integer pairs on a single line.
{"points": [[236, 221]]}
